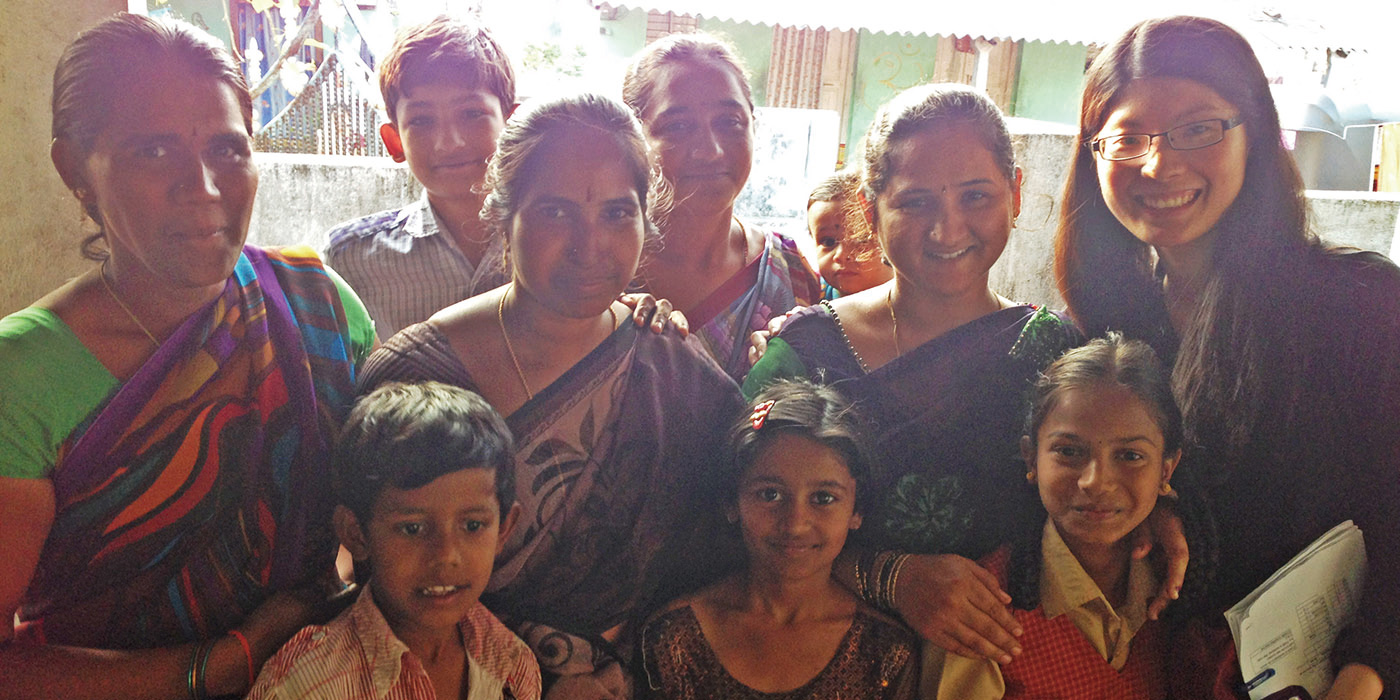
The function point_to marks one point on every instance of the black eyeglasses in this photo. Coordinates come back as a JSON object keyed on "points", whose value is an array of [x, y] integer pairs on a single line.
{"points": [[1187, 137]]}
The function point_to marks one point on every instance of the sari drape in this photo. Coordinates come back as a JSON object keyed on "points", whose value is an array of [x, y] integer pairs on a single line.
{"points": [[613, 473], [946, 421], [201, 485], [778, 280]]}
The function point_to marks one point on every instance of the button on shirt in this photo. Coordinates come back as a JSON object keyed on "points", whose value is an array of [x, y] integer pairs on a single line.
{"points": [[405, 266], [357, 657]]}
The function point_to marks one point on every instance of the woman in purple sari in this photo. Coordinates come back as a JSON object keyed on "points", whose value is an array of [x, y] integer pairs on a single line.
{"points": [[616, 428], [164, 417]]}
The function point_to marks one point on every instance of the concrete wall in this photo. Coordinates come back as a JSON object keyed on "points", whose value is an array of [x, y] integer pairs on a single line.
{"points": [[301, 197], [40, 229]]}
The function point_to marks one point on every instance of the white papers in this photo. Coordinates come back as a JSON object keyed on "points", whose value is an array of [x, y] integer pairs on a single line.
{"points": [[1284, 631]]}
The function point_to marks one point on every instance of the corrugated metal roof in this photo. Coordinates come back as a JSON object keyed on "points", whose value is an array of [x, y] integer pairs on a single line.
{"points": [[1303, 23]]}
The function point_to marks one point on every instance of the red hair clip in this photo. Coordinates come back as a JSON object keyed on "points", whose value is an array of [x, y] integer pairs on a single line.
{"points": [[760, 414]]}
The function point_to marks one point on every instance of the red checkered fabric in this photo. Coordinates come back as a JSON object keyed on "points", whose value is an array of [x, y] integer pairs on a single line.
{"points": [[1058, 662]]}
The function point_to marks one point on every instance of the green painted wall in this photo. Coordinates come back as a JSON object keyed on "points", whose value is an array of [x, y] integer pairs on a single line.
{"points": [[624, 36], [754, 43], [1050, 81], [885, 65]]}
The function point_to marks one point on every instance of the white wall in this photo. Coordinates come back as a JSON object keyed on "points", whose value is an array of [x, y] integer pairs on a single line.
{"points": [[39, 229]]}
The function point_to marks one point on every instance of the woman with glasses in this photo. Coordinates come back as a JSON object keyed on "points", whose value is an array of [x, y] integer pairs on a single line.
{"points": [[1185, 225]]}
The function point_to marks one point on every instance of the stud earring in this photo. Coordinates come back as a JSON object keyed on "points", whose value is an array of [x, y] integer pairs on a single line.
{"points": [[1030, 477], [81, 193], [1167, 489]]}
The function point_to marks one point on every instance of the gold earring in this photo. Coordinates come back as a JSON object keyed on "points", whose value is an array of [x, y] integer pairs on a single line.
{"points": [[1030, 477], [1167, 489]]}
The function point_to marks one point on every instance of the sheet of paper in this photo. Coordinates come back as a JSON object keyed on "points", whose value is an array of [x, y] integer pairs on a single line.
{"points": [[1285, 630]]}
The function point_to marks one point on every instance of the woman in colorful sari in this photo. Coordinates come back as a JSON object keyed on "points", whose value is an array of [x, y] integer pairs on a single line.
{"points": [[1185, 225], [941, 364], [164, 417], [616, 426], [728, 279]]}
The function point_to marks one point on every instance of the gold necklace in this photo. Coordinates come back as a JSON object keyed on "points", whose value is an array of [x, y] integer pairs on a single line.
{"points": [[102, 272], [501, 319], [894, 321], [520, 373]]}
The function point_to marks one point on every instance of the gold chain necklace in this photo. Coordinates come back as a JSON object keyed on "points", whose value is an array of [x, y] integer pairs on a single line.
{"points": [[519, 372], [894, 321], [501, 319], [102, 272]]}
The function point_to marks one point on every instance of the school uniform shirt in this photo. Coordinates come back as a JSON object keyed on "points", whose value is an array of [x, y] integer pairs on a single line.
{"points": [[1065, 589], [405, 266], [357, 657]]}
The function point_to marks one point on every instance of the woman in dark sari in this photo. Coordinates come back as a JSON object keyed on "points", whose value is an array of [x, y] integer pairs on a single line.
{"points": [[165, 417], [616, 427], [939, 362]]}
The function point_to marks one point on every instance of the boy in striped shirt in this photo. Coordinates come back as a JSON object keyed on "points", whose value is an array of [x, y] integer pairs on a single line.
{"points": [[425, 499]]}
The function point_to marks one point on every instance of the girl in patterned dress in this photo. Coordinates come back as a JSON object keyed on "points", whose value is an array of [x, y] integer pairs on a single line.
{"points": [[782, 627]]}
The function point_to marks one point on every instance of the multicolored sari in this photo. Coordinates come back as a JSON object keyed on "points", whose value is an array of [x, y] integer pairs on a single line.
{"points": [[612, 468], [201, 485], [774, 283]]}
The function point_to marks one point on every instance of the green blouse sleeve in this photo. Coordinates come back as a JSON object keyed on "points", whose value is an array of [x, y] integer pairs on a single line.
{"points": [[49, 384], [780, 361], [361, 326]]}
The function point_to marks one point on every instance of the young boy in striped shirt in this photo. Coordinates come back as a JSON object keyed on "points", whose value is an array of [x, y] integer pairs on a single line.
{"points": [[423, 481]]}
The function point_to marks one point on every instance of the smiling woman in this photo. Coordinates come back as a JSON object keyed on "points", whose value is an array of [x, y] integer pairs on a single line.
{"points": [[938, 360], [695, 105], [615, 425], [1283, 349], [165, 417]]}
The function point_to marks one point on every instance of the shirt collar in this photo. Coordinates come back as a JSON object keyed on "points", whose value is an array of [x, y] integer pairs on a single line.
{"points": [[1065, 585], [418, 220], [384, 651]]}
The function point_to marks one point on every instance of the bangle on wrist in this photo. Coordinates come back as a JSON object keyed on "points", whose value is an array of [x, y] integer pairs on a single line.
{"points": [[247, 655], [199, 666]]}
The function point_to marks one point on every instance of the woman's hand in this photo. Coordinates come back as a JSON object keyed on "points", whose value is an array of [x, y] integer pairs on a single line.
{"points": [[758, 340], [657, 312], [958, 605], [1355, 682], [267, 628], [1163, 529]]}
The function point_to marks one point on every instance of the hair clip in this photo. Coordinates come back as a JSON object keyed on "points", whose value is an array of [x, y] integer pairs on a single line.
{"points": [[760, 413]]}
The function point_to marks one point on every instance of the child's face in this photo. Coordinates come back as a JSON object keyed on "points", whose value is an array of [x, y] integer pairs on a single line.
{"points": [[449, 132], [796, 504], [431, 548], [1099, 463], [837, 260]]}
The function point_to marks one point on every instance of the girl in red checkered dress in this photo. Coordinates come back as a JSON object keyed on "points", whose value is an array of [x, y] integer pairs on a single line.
{"points": [[1104, 437]]}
